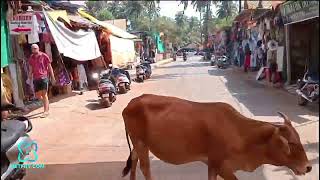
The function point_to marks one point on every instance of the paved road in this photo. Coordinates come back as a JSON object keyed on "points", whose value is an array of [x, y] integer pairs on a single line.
{"points": [[80, 141]]}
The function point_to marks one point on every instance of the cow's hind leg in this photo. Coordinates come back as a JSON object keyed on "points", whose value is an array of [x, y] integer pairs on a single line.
{"points": [[134, 158], [143, 154]]}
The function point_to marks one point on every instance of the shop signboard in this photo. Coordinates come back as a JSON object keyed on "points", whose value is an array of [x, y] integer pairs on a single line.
{"points": [[21, 24], [297, 11]]}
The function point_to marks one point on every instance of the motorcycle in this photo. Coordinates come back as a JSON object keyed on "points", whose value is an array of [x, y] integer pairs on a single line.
{"points": [[143, 71], [184, 56], [308, 89], [222, 62], [15, 145], [121, 79], [174, 57], [106, 90]]}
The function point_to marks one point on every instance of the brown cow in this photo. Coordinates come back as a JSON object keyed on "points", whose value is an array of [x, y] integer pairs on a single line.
{"points": [[178, 131]]}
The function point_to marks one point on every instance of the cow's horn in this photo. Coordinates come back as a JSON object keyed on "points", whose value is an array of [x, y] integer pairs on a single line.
{"points": [[285, 117]]}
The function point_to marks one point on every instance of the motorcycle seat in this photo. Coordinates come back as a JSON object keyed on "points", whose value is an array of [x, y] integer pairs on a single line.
{"points": [[104, 81], [11, 131]]}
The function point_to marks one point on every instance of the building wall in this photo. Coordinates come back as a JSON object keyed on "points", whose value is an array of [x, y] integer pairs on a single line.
{"points": [[304, 47], [120, 23]]}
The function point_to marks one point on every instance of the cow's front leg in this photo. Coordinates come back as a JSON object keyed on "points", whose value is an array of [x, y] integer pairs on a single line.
{"points": [[212, 170], [226, 173], [212, 173]]}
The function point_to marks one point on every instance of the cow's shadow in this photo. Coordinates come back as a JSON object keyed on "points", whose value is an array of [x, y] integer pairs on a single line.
{"points": [[112, 171]]}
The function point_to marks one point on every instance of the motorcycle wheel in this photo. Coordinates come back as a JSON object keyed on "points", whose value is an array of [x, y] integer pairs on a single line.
{"points": [[140, 80], [128, 86], [302, 101], [112, 99], [106, 102], [122, 90]]}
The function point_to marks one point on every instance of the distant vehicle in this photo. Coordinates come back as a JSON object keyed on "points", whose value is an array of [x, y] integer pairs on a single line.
{"points": [[189, 51]]}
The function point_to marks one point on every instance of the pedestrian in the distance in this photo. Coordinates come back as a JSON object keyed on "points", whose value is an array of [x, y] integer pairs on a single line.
{"points": [[247, 57], [272, 60], [40, 69]]}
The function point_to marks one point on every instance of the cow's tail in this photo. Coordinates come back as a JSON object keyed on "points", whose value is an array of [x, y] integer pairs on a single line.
{"points": [[127, 169]]}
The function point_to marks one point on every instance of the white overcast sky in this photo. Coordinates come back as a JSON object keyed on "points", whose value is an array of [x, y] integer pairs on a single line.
{"points": [[168, 8]]}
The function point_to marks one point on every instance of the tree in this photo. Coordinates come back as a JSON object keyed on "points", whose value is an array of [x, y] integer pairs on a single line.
{"points": [[202, 6], [226, 9], [180, 19], [104, 14], [94, 7]]}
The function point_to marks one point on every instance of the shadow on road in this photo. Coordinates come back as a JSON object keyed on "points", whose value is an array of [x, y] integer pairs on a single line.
{"points": [[163, 76], [260, 99], [193, 64], [94, 106], [92, 100], [112, 171]]}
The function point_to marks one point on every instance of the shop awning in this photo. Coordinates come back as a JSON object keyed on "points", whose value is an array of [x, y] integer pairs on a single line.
{"points": [[297, 11], [122, 50], [113, 29], [80, 45]]}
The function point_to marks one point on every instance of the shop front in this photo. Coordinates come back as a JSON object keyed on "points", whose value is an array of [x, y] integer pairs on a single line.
{"points": [[301, 19]]}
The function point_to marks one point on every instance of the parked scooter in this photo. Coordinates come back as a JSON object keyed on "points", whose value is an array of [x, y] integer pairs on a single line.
{"points": [[106, 90], [121, 79], [143, 71], [308, 89], [15, 145], [222, 62]]}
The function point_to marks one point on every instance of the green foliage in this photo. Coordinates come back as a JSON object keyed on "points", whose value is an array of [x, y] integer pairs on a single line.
{"points": [[226, 9], [104, 14]]}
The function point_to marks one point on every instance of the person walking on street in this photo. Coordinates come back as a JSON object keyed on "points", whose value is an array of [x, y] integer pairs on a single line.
{"points": [[40, 68], [272, 60], [247, 58]]}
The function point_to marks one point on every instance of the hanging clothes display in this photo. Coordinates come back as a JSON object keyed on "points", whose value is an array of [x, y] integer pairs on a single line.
{"points": [[34, 36], [22, 39], [47, 47], [82, 75], [7, 86]]}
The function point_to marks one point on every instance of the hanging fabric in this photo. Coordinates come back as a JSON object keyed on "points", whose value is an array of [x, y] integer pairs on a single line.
{"points": [[34, 36], [47, 47]]}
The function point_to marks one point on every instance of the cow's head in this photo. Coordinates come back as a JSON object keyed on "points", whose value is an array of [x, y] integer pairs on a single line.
{"points": [[286, 148]]}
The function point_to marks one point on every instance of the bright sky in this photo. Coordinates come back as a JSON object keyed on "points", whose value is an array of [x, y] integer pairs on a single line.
{"points": [[171, 8], [168, 8]]}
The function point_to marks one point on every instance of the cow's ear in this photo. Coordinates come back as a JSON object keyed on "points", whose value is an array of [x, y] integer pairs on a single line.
{"points": [[281, 142], [285, 145]]}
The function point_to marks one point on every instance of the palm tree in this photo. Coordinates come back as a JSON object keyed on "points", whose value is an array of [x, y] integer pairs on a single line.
{"points": [[202, 6], [152, 10], [226, 9]]}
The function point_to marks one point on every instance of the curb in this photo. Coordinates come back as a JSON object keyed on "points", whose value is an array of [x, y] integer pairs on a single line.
{"points": [[162, 62]]}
